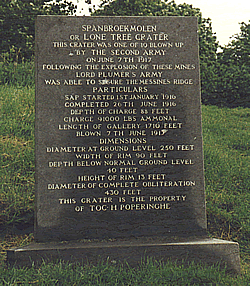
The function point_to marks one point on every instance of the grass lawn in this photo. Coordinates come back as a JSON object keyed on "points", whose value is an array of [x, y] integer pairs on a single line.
{"points": [[226, 154]]}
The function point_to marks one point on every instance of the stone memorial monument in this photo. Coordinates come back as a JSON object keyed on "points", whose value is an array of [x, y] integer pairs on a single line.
{"points": [[119, 159]]}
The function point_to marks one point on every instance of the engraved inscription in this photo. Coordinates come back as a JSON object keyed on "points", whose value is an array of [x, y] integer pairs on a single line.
{"points": [[121, 103]]}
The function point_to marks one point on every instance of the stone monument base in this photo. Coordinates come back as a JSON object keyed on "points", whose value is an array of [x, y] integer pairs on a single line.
{"points": [[208, 251]]}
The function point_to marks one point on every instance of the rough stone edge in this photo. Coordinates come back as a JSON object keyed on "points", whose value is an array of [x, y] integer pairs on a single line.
{"points": [[207, 251]]}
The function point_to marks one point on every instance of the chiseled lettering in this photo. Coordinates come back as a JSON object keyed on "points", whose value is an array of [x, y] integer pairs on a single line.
{"points": [[167, 198], [87, 163], [182, 162], [119, 28], [69, 149], [87, 156], [119, 141], [181, 81], [119, 163], [154, 52], [123, 126], [111, 185], [137, 207], [185, 147], [131, 192], [87, 178], [154, 37], [154, 183], [128, 170], [149, 148], [73, 82], [59, 67], [95, 200], [137, 199], [52, 81], [152, 162], [98, 208], [65, 201], [69, 186], [121, 37]]}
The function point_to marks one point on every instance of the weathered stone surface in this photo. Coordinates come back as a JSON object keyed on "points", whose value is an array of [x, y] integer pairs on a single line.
{"points": [[208, 251], [118, 129]]}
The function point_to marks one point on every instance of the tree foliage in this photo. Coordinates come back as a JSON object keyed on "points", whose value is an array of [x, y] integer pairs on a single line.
{"points": [[207, 39], [17, 22], [230, 74], [238, 49], [225, 76]]}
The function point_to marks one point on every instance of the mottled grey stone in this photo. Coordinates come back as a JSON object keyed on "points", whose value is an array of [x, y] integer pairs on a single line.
{"points": [[153, 71], [207, 251]]}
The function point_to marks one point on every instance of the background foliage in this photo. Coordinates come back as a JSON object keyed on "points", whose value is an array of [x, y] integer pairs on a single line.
{"points": [[17, 22], [224, 76], [207, 39], [227, 81]]}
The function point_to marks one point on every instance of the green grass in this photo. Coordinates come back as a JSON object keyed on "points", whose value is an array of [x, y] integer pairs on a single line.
{"points": [[148, 273], [226, 152], [16, 154], [226, 136], [16, 71]]}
